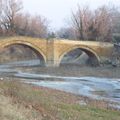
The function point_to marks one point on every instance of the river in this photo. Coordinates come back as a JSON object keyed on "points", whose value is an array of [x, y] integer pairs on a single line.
{"points": [[94, 87]]}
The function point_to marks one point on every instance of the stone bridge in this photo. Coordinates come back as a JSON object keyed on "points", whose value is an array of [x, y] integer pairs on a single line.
{"points": [[52, 51]]}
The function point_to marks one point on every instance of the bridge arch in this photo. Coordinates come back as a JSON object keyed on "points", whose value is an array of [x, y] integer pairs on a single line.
{"points": [[33, 47], [91, 54]]}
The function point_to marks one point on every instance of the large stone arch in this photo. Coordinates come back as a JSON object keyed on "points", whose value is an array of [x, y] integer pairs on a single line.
{"points": [[36, 49], [87, 50]]}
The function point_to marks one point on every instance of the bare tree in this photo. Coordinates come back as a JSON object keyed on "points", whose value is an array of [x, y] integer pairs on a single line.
{"points": [[35, 26], [38, 26], [81, 21], [78, 23], [93, 25], [103, 24], [13, 21], [66, 33], [22, 24], [116, 24], [11, 9]]}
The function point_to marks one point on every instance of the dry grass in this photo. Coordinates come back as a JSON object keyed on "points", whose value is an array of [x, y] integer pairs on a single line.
{"points": [[25, 102], [10, 111]]}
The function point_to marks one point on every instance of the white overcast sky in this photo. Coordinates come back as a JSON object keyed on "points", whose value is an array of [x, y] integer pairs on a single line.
{"points": [[57, 11]]}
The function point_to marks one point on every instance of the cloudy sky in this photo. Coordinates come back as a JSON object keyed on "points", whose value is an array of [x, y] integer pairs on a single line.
{"points": [[59, 11]]}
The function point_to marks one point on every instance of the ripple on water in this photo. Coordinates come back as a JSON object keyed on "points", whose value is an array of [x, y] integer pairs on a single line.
{"points": [[97, 88]]}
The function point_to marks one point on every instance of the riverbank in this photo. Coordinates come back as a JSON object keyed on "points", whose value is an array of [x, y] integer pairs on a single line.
{"points": [[38, 103], [106, 71]]}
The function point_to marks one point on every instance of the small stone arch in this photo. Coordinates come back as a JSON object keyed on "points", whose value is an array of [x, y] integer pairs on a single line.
{"points": [[37, 50], [91, 53]]}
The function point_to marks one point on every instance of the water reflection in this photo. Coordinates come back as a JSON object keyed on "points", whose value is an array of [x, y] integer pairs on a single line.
{"points": [[20, 63]]}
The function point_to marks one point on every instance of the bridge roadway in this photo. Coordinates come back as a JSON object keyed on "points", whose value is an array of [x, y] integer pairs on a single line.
{"points": [[52, 51]]}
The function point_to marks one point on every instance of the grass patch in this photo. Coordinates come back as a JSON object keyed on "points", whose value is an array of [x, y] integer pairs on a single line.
{"points": [[52, 105]]}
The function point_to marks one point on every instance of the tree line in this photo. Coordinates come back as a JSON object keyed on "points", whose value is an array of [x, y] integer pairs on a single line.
{"points": [[13, 21], [101, 24]]}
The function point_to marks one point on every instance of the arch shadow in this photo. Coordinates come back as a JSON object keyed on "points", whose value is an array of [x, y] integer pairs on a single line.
{"points": [[94, 59], [35, 49]]}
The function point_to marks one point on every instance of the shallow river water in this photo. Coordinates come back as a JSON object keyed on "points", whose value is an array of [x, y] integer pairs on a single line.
{"points": [[93, 87]]}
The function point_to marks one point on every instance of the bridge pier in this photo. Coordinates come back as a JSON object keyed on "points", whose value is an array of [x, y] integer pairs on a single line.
{"points": [[51, 63], [51, 54]]}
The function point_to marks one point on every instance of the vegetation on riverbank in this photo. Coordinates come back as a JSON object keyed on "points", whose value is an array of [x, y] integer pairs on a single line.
{"points": [[25, 102]]}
